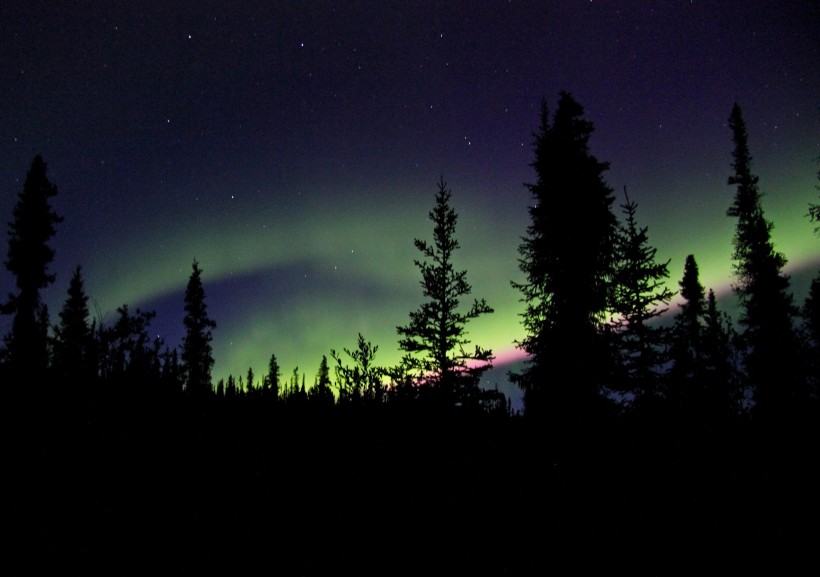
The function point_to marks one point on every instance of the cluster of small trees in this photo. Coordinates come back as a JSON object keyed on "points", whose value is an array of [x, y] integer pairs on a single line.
{"points": [[82, 354], [593, 290]]}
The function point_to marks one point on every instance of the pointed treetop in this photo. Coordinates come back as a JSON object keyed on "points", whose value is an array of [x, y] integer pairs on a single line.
{"points": [[690, 287], [747, 198], [197, 354], [34, 224], [435, 339]]}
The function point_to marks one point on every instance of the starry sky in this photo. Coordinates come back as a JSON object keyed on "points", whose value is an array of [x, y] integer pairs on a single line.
{"points": [[293, 148]]}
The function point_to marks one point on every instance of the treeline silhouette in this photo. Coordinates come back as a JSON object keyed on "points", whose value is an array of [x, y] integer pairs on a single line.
{"points": [[642, 445]]}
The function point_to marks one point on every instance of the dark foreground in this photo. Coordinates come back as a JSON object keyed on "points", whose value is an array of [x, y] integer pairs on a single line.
{"points": [[247, 487]]}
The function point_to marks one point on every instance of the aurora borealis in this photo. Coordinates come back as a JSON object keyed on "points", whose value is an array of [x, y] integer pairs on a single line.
{"points": [[293, 148]]}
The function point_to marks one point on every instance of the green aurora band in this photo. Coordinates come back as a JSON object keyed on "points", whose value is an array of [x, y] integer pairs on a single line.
{"points": [[314, 276]]}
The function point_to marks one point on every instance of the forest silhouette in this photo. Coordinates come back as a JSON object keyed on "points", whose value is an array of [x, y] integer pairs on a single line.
{"points": [[642, 445]]}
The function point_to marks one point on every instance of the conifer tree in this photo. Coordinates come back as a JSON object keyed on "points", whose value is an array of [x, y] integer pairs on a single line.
{"points": [[771, 359], [250, 383], [717, 377], [293, 386], [435, 339], [197, 354], [702, 376], [640, 294], [29, 256], [323, 374], [320, 393], [687, 331], [567, 260], [73, 343], [272, 378]]}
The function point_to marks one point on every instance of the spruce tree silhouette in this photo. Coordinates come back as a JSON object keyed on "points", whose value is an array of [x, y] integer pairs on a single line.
{"points": [[73, 357], [685, 350], [639, 296], [29, 255], [320, 393], [272, 379], [251, 388], [567, 259], [701, 377], [718, 368], [197, 353], [771, 345], [435, 339]]}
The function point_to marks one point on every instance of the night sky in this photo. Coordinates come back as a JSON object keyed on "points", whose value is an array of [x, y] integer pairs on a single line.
{"points": [[294, 148]]}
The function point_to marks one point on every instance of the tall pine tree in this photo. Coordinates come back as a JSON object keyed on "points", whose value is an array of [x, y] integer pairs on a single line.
{"points": [[640, 294], [771, 345], [701, 377], [687, 331], [73, 357], [435, 339], [271, 386], [567, 259], [29, 256], [197, 353], [320, 393]]}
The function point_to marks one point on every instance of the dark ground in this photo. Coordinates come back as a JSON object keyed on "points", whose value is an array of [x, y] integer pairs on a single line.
{"points": [[249, 488]]}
